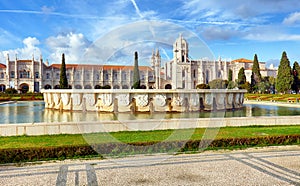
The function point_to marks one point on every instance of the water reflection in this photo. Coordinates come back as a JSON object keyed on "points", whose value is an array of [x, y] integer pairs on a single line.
{"points": [[35, 112]]}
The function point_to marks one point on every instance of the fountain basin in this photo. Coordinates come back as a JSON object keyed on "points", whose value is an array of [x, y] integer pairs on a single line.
{"points": [[143, 100]]}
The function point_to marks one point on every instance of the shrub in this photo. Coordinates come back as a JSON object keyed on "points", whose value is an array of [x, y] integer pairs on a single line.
{"points": [[11, 91], [202, 86]]}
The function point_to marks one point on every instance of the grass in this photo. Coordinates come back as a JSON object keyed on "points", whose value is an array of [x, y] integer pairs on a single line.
{"points": [[273, 97], [144, 136]]}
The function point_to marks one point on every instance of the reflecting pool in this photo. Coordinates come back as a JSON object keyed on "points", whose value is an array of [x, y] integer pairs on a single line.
{"points": [[35, 112]]}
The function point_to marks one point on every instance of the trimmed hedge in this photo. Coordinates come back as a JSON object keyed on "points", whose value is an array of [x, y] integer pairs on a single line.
{"points": [[47, 153]]}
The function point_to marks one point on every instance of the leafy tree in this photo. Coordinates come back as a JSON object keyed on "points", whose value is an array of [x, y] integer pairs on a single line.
{"points": [[218, 84], [230, 75], [232, 85], [284, 79], [264, 86], [256, 76], [136, 73], [63, 81], [202, 86], [296, 76], [241, 76], [246, 86]]}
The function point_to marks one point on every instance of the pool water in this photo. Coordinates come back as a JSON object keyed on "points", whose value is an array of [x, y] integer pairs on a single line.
{"points": [[35, 112]]}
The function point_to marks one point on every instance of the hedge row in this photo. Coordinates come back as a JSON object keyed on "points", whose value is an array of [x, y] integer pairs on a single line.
{"points": [[47, 153]]}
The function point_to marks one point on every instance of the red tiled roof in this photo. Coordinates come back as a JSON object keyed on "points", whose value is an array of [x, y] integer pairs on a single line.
{"points": [[24, 60], [243, 60], [2, 65]]}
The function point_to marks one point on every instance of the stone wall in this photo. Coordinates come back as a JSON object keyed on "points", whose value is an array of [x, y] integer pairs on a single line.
{"points": [[143, 100]]}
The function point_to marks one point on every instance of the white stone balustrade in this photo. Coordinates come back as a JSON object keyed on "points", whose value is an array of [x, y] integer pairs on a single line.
{"points": [[143, 100]]}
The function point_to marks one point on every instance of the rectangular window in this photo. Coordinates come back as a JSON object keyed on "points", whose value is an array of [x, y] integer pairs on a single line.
{"points": [[36, 75], [12, 74]]}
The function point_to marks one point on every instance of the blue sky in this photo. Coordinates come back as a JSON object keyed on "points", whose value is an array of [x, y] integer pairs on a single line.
{"points": [[231, 29]]}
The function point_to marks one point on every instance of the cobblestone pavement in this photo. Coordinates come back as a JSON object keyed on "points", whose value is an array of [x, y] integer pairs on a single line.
{"points": [[263, 166]]}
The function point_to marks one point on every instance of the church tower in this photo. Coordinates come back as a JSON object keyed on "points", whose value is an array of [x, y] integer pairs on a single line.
{"points": [[181, 66], [180, 50], [156, 66]]}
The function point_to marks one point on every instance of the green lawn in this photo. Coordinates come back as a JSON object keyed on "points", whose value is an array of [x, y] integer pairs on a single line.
{"points": [[273, 97], [147, 136]]}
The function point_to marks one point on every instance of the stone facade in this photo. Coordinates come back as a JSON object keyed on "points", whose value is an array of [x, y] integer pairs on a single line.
{"points": [[179, 73]]}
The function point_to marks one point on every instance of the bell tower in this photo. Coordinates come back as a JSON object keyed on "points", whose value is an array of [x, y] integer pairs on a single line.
{"points": [[181, 50]]}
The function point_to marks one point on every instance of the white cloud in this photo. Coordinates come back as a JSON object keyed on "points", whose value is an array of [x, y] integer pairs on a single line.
{"points": [[292, 18], [273, 37], [30, 48], [72, 44]]}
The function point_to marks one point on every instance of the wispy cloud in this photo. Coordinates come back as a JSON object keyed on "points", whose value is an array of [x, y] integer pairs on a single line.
{"points": [[292, 18], [137, 8]]}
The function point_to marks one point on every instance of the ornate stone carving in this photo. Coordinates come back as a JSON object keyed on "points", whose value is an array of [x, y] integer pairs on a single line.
{"points": [[141, 99], [194, 100], [230, 98], [106, 99], [237, 98], [178, 100], [77, 99], [160, 100], [242, 98], [65, 98], [123, 99], [90, 99], [220, 99], [208, 99], [56, 98]]}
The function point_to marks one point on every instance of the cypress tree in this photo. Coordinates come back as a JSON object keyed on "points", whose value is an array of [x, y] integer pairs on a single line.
{"points": [[296, 76], [63, 81], [284, 79], [136, 73], [230, 75], [241, 76], [256, 76]]}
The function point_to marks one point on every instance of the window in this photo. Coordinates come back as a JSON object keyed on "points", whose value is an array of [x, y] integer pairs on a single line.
{"points": [[106, 76], [47, 76], [24, 74], [77, 76], [68, 75], [36, 75], [115, 76], [194, 73], [2, 75], [12, 74], [124, 76], [87, 76], [57, 75], [97, 76], [183, 73]]}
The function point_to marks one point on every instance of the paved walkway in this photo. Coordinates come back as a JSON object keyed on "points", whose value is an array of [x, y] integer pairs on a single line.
{"points": [[264, 166]]}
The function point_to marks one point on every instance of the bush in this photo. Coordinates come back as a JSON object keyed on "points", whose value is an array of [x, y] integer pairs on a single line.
{"points": [[218, 84], [46, 153], [202, 86], [11, 91]]}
